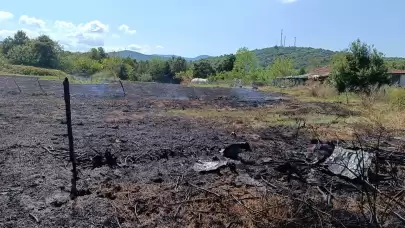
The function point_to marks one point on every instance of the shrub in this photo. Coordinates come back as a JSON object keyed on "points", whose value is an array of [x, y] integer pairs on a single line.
{"points": [[396, 97], [145, 77]]}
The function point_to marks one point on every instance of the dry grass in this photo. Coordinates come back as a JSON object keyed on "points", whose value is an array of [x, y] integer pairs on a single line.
{"points": [[257, 118], [147, 204]]}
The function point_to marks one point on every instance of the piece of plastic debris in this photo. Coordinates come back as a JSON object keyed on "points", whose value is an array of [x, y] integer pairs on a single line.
{"points": [[206, 166], [349, 163]]}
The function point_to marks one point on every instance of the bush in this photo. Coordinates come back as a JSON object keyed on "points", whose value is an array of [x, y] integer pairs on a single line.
{"points": [[30, 70], [145, 77], [396, 97], [102, 76]]}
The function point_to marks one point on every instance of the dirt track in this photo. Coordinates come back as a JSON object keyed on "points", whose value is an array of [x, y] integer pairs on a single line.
{"points": [[153, 185]]}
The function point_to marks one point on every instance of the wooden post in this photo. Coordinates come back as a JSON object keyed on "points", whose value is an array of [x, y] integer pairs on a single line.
{"points": [[73, 191], [19, 89], [40, 85], [123, 90]]}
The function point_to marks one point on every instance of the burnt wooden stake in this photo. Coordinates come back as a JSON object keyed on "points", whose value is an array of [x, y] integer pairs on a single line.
{"points": [[40, 85], [19, 89], [123, 90], [73, 191]]}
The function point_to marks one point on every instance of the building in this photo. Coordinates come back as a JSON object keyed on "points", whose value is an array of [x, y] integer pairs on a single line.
{"points": [[322, 73], [397, 77]]}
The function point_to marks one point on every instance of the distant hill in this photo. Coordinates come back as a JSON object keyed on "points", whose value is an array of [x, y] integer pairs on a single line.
{"points": [[144, 57], [303, 57]]}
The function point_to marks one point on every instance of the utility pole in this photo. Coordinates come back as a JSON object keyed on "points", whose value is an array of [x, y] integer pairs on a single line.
{"points": [[295, 41], [281, 39]]}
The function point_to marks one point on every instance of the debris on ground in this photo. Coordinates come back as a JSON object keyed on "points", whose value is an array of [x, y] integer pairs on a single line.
{"points": [[208, 166], [349, 163], [232, 151]]}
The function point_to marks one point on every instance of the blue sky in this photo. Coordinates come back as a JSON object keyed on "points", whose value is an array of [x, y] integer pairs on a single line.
{"points": [[191, 27]]}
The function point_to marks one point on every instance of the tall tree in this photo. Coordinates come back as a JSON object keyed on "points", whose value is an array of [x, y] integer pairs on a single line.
{"points": [[47, 52], [359, 69], [245, 61], [226, 63], [202, 69], [177, 64], [281, 67], [20, 38]]}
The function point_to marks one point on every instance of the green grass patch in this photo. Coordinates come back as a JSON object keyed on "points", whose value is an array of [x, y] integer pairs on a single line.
{"points": [[31, 71]]}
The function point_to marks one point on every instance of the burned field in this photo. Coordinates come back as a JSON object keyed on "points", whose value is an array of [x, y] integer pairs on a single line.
{"points": [[145, 161]]}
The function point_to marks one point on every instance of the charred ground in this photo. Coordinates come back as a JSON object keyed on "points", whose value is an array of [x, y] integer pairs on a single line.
{"points": [[149, 181]]}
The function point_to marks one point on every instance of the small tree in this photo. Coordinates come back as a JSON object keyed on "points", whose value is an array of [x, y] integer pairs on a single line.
{"points": [[281, 67], [360, 69]]}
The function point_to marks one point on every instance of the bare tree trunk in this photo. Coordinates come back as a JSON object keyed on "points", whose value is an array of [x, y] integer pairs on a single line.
{"points": [[73, 191]]}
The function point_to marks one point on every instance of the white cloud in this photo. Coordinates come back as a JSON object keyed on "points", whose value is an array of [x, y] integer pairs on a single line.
{"points": [[6, 33], [93, 27], [4, 16], [64, 25], [72, 36], [125, 29], [288, 1], [79, 36], [32, 21]]}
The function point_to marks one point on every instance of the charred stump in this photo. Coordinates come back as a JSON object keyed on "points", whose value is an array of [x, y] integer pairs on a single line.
{"points": [[73, 191]]}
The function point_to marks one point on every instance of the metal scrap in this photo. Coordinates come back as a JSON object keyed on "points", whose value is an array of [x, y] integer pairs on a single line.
{"points": [[349, 163]]}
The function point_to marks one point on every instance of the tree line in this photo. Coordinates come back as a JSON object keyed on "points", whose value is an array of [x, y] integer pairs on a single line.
{"points": [[44, 52], [357, 68]]}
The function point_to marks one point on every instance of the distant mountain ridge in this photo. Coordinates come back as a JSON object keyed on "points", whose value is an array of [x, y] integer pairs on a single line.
{"points": [[144, 57], [303, 57]]}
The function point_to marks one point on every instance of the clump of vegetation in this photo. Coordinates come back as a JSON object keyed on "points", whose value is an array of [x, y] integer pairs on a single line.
{"points": [[323, 90], [30, 70], [396, 97], [360, 69]]}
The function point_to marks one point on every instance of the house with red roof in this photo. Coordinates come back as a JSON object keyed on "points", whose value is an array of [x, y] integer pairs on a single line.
{"points": [[322, 73], [397, 76]]}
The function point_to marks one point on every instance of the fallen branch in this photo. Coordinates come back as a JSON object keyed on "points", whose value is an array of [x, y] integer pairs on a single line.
{"points": [[206, 190], [34, 217]]}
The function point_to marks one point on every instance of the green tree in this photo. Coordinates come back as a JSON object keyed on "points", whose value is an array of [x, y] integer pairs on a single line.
{"points": [[281, 67], [158, 69], [302, 71], [47, 52], [226, 63], [245, 62], [22, 54], [202, 69], [102, 53], [359, 69], [20, 38], [112, 65], [7, 45], [177, 64]]}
